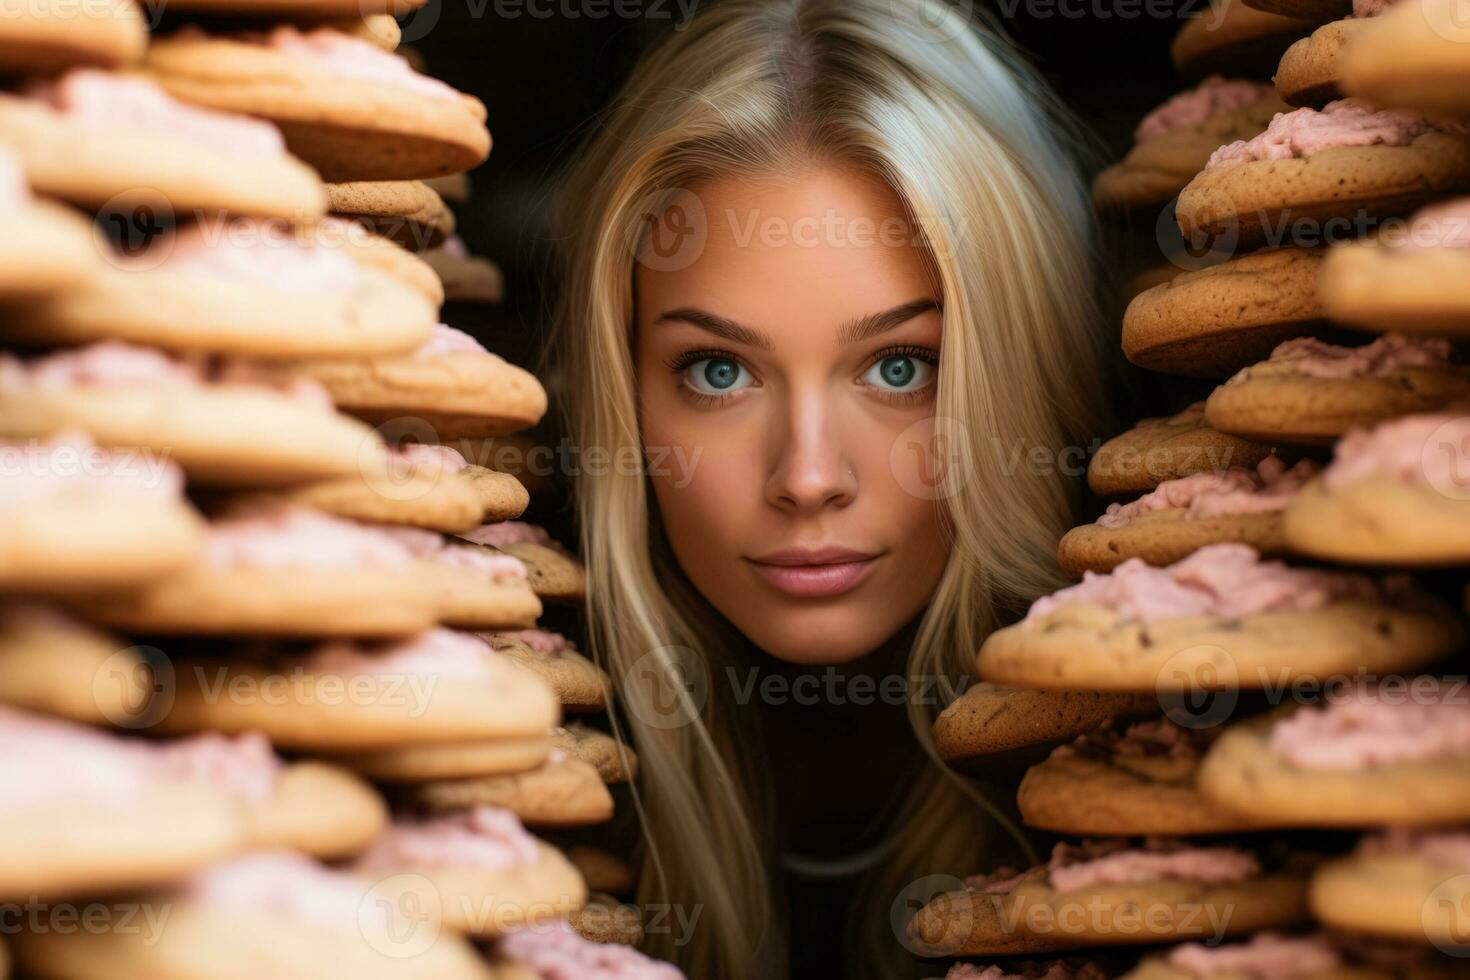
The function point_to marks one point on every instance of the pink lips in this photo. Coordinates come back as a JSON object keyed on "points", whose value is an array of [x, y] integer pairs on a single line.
{"points": [[816, 572]]}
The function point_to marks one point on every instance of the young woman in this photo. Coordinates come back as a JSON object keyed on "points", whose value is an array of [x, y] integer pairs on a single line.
{"points": [[829, 275]]}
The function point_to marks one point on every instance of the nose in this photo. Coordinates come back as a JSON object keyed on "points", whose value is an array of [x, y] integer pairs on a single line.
{"points": [[810, 470]]}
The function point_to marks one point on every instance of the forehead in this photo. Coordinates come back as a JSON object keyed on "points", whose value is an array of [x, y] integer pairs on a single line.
{"points": [[820, 246]]}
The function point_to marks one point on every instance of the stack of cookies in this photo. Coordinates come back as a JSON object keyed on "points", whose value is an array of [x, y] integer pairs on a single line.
{"points": [[269, 663], [1245, 722]]}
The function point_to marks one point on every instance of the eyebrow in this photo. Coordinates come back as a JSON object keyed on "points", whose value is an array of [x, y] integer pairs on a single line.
{"points": [[853, 331]]}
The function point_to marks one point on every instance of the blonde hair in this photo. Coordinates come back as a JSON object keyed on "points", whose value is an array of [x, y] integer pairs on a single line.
{"points": [[968, 139]]}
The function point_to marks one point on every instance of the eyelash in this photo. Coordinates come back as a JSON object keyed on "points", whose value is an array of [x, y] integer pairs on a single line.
{"points": [[679, 362]]}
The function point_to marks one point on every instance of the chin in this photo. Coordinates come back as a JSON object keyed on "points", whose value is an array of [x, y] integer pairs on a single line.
{"points": [[819, 637]]}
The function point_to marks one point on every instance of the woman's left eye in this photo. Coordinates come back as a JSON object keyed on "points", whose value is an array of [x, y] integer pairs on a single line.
{"points": [[715, 376], [899, 372]]}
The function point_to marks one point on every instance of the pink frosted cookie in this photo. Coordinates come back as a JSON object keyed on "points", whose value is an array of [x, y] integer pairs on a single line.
{"points": [[267, 290], [283, 572], [555, 575], [451, 386], [987, 720], [269, 914], [224, 421], [479, 587], [1409, 279], [1132, 781], [44, 248], [1172, 143], [562, 792], [409, 212], [580, 684], [1394, 752], [1311, 392], [436, 688], [554, 952], [352, 110], [1180, 516], [1222, 618], [1393, 495], [1312, 171], [481, 868], [1402, 883], [1160, 449], [1108, 893], [75, 517], [105, 140], [1278, 957], [467, 278], [1310, 73]]}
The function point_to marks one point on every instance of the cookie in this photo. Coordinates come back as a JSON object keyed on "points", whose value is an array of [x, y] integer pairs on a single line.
{"points": [[522, 455], [53, 35], [467, 278], [1390, 497], [603, 871], [1367, 758], [1211, 322], [381, 29], [503, 496], [452, 384], [159, 159], [555, 575], [1250, 194], [987, 720], [52, 664], [1311, 68], [1181, 516], [477, 587], [1409, 283], [44, 248], [212, 418], [480, 869], [1233, 39], [1126, 782], [544, 950], [416, 498], [88, 812], [437, 687], [282, 572], [407, 211], [606, 920], [615, 762], [1105, 894], [370, 249], [1309, 392], [580, 684], [1413, 56], [271, 914], [1221, 618], [241, 287], [379, 121], [1320, 11], [564, 792], [1168, 448], [1403, 884], [1173, 142], [76, 517], [1313, 957], [450, 760]]}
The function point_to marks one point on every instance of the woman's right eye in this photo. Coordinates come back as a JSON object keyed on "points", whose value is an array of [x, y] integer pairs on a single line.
{"points": [[716, 376]]}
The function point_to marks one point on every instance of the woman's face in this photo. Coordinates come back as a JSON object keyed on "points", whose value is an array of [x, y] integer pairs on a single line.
{"points": [[786, 376]]}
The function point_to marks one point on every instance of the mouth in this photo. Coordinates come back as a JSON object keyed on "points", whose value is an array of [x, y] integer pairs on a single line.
{"points": [[807, 573]]}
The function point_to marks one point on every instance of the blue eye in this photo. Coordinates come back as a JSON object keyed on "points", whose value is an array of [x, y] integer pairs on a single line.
{"points": [[899, 372], [716, 376]]}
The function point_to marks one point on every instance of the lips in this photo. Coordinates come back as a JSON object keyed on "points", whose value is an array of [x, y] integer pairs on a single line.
{"points": [[807, 573]]}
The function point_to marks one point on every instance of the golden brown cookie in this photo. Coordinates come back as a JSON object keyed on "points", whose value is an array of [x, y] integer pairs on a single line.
{"points": [[1212, 322], [52, 35], [615, 762], [580, 684], [467, 278], [1399, 886], [564, 792], [407, 211], [1311, 69], [450, 760], [45, 249], [555, 576], [52, 664], [606, 920], [1313, 957], [1413, 56], [1162, 449], [987, 719], [376, 252], [1233, 39], [1379, 286], [438, 501]]}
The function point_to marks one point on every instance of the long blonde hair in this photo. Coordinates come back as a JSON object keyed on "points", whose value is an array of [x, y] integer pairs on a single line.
{"points": [[970, 141]]}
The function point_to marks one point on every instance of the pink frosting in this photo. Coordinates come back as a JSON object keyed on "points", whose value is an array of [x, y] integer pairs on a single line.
{"points": [[1448, 849], [130, 102], [554, 952], [1159, 737], [1389, 353], [448, 340], [1363, 728], [542, 641], [432, 653], [283, 536], [485, 838], [1302, 132], [1213, 95], [256, 253], [435, 547], [507, 533], [48, 761], [1001, 881], [71, 460], [1226, 580], [1055, 970], [244, 766], [1445, 225], [352, 57], [1396, 450], [1218, 493], [420, 454], [1114, 863], [112, 363], [454, 246], [1370, 8], [284, 885], [1267, 956]]}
